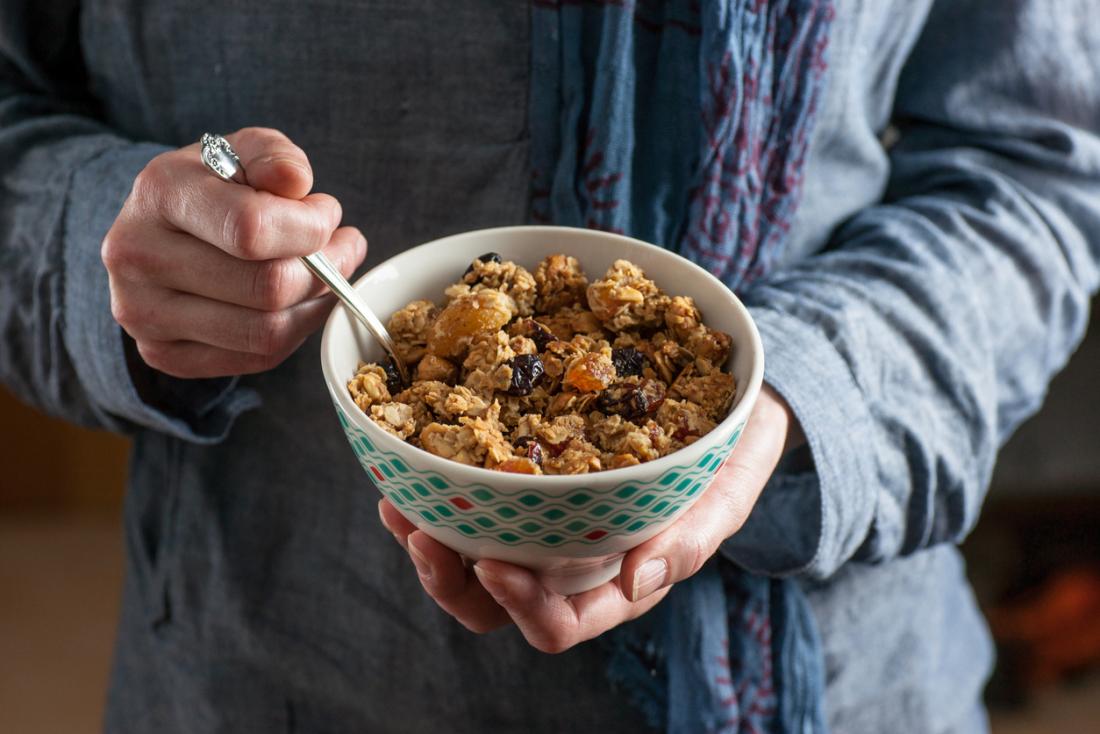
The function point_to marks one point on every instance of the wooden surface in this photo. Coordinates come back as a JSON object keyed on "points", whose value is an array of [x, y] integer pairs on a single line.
{"points": [[51, 465]]}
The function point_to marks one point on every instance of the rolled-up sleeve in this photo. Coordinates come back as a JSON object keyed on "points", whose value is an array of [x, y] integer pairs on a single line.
{"points": [[930, 327], [66, 175]]}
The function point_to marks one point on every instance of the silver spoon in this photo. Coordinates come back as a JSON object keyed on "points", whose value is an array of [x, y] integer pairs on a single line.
{"points": [[218, 156]]}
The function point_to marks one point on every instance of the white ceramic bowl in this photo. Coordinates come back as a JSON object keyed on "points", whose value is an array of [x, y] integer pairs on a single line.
{"points": [[572, 530]]}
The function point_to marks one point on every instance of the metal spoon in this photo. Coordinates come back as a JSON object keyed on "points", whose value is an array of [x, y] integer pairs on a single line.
{"points": [[218, 156]]}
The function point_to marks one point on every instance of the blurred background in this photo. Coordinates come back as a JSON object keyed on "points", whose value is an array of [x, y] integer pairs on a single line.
{"points": [[1034, 560]]}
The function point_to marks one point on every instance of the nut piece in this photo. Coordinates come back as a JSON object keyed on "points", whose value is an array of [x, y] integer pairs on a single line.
{"points": [[436, 368], [409, 329], [467, 316], [474, 441], [713, 392], [368, 386], [489, 272], [396, 418], [625, 297]]}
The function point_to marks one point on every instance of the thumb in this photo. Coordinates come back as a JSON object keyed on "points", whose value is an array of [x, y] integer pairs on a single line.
{"points": [[272, 162], [681, 550]]}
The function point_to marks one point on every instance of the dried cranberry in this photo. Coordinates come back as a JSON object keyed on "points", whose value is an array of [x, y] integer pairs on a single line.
{"points": [[632, 401], [394, 383], [532, 449], [527, 370], [628, 361], [488, 257]]}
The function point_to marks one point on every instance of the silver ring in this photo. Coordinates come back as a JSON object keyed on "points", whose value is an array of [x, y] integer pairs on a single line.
{"points": [[220, 158]]}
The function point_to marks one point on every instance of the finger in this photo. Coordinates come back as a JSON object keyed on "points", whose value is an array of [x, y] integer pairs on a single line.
{"points": [[248, 224], [154, 314], [272, 162], [453, 586], [183, 263], [682, 549], [395, 522], [192, 360], [553, 623]]}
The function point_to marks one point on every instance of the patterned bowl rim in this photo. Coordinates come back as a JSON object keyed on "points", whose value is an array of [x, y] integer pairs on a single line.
{"points": [[743, 403]]}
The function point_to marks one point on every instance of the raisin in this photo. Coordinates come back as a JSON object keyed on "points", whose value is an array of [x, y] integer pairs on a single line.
{"points": [[540, 335], [591, 373], [393, 378], [633, 401], [488, 257], [527, 370], [530, 447], [628, 361]]}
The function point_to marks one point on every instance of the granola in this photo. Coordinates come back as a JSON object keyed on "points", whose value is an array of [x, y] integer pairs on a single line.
{"points": [[549, 373]]}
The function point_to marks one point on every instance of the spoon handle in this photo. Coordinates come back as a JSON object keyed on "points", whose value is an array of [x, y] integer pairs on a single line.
{"points": [[327, 273], [220, 158]]}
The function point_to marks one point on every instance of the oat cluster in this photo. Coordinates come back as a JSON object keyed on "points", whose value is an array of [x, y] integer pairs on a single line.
{"points": [[548, 373]]}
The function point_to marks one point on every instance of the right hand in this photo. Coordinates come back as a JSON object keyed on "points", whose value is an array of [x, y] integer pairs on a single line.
{"points": [[204, 273]]}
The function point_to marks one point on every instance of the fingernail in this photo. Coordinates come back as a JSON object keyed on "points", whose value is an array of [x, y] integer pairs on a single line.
{"points": [[423, 565], [491, 582], [648, 578]]}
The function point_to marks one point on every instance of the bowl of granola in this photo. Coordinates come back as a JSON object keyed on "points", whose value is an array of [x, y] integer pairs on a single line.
{"points": [[572, 393]]}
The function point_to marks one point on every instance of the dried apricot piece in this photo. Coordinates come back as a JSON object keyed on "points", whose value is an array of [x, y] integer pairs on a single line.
{"points": [[519, 466], [466, 317], [591, 373]]}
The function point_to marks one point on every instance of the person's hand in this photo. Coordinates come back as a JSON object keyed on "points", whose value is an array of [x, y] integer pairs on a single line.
{"points": [[204, 273], [495, 593]]}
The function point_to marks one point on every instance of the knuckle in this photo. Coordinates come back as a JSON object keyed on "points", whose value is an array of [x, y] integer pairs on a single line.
{"points": [[257, 363], [553, 643], [244, 228], [696, 551], [269, 334], [736, 507], [268, 135], [121, 311], [319, 232], [111, 251], [122, 257], [154, 354], [149, 179], [272, 284]]}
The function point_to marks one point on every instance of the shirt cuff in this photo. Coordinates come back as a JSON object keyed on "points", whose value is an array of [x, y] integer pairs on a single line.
{"points": [[201, 411], [810, 522]]}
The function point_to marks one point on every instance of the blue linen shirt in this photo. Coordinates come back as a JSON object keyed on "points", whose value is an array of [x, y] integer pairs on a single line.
{"points": [[929, 290]]}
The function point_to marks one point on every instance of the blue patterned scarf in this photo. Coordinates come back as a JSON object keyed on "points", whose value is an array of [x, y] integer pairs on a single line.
{"points": [[686, 123]]}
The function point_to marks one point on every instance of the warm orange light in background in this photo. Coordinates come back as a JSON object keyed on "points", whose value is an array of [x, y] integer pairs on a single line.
{"points": [[50, 464], [61, 491]]}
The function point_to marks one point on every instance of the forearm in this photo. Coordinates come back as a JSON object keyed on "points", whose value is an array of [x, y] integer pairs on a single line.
{"points": [[66, 177], [912, 348]]}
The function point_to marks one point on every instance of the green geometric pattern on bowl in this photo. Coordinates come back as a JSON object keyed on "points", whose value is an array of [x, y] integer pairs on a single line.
{"points": [[520, 517]]}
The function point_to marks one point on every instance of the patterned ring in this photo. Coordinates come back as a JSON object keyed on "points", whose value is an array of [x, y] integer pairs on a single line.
{"points": [[218, 156]]}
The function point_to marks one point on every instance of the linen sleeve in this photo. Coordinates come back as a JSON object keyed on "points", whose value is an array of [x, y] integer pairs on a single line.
{"points": [[64, 179], [929, 328]]}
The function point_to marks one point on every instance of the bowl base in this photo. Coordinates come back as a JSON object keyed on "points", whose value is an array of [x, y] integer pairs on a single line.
{"points": [[578, 577]]}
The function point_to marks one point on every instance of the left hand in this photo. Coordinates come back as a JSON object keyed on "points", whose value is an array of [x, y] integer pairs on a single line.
{"points": [[496, 593]]}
